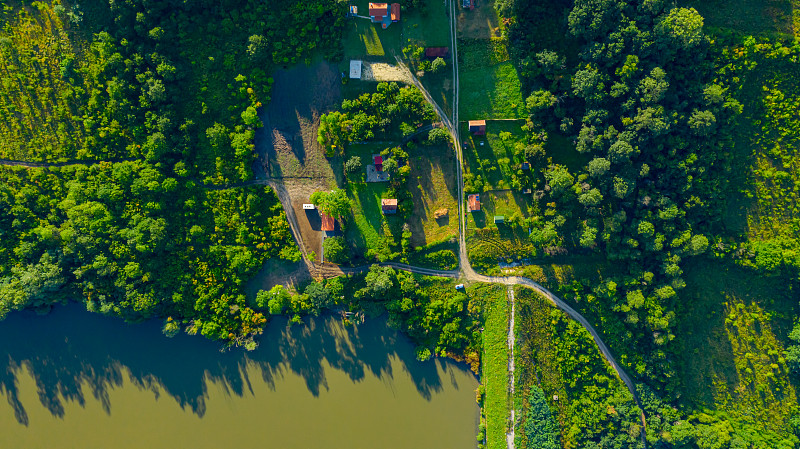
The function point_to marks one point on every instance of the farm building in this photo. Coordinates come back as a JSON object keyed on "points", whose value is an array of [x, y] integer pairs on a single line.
{"points": [[477, 127], [328, 223], [474, 203], [355, 70], [389, 206], [384, 14], [437, 52]]}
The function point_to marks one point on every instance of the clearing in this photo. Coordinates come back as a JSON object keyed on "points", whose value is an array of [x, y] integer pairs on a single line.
{"points": [[433, 187], [287, 147], [780, 17], [730, 336]]}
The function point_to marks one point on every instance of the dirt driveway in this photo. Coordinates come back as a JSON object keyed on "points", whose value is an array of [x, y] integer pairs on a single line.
{"points": [[287, 147]]}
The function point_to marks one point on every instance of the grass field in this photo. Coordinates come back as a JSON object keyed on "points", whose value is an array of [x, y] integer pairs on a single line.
{"points": [[490, 87], [491, 93], [729, 337], [365, 39], [750, 16], [432, 183], [495, 364], [561, 150]]}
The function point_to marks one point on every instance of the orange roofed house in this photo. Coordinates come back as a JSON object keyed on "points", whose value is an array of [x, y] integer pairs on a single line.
{"points": [[384, 14], [328, 223], [389, 206], [477, 127]]}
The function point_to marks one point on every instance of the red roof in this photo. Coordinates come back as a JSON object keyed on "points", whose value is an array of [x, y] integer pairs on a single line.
{"points": [[474, 202], [395, 12], [378, 10], [377, 159], [389, 205], [477, 126], [437, 52], [328, 223]]}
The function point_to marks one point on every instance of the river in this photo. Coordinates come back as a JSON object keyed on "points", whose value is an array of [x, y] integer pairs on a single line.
{"points": [[73, 379]]}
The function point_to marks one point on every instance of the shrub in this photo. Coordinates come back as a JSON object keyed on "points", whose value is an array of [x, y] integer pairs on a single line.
{"points": [[334, 250]]}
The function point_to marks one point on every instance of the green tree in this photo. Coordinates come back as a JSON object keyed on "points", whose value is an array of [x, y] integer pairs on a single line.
{"points": [[335, 250], [438, 65]]}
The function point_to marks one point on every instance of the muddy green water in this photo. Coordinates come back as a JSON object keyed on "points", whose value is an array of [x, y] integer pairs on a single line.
{"points": [[72, 379]]}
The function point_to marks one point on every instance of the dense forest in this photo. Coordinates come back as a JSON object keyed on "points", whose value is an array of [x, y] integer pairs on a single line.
{"points": [[673, 137], [143, 113]]}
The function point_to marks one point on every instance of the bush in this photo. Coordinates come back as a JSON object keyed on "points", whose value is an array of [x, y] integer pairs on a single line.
{"points": [[438, 65], [353, 165], [334, 250]]}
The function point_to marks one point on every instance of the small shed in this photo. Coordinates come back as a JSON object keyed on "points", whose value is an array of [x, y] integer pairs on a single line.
{"points": [[395, 12], [437, 52], [355, 70], [389, 205], [377, 160], [328, 223], [477, 127], [308, 206], [499, 219], [474, 203], [468, 4], [526, 166]]}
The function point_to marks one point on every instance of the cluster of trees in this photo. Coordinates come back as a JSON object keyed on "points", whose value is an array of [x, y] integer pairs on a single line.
{"points": [[640, 104], [415, 54], [166, 93], [375, 116]]}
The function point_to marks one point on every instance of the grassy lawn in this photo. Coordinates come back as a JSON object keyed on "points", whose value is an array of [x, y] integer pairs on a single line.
{"points": [[729, 335], [432, 183], [495, 364], [367, 40], [750, 16], [490, 87], [369, 231], [491, 93]]}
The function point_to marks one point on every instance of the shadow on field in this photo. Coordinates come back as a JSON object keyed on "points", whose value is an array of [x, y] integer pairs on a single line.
{"points": [[76, 356]]}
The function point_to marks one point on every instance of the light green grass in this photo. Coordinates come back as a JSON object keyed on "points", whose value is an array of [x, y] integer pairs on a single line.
{"points": [[491, 92], [495, 368], [432, 184]]}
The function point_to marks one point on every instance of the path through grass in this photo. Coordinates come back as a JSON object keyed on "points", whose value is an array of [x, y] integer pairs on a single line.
{"points": [[495, 368]]}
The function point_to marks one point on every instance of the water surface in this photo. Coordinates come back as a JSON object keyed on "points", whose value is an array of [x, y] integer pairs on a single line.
{"points": [[72, 379]]}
